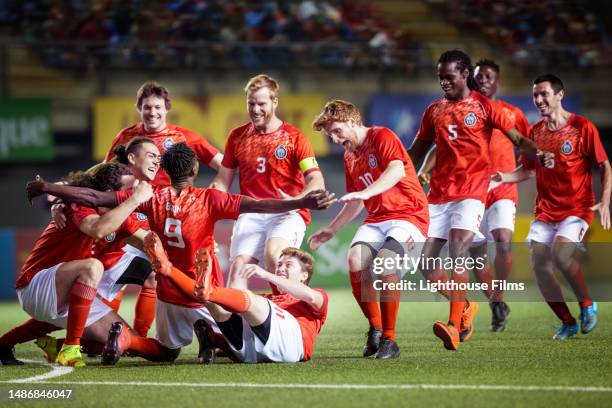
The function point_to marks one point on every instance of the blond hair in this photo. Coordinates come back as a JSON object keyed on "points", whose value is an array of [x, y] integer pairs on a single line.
{"points": [[337, 110], [262, 81], [306, 260]]}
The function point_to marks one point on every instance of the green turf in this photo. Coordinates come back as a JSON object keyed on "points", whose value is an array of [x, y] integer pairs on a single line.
{"points": [[523, 355]]}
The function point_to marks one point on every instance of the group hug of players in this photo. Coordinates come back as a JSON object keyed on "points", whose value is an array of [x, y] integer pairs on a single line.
{"points": [[137, 218]]}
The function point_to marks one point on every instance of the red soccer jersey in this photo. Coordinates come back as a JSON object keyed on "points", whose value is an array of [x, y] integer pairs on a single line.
{"points": [[271, 161], [462, 132], [566, 189], [110, 248], [501, 153], [405, 200], [164, 139], [185, 223], [58, 245], [310, 321]]}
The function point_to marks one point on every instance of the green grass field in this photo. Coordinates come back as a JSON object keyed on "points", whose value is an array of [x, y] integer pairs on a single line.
{"points": [[520, 367]]}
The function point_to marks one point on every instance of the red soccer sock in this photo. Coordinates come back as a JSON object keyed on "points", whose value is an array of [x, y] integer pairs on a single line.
{"points": [[148, 348], [81, 297], [389, 306], [365, 295], [145, 311], [562, 312], [575, 277], [439, 275], [184, 282], [27, 331], [233, 300], [585, 304], [456, 311], [116, 302]]}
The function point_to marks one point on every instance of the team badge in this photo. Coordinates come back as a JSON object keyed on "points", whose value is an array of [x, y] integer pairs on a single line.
{"points": [[470, 119], [566, 147], [280, 152], [168, 143], [141, 217], [372, 161], [110, 237]]}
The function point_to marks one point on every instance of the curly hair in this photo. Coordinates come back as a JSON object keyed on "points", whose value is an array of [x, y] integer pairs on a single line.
{"points": [[306, 260], [101, 177], [462, 62], [122, 151], [178, 161], [337, 110]]}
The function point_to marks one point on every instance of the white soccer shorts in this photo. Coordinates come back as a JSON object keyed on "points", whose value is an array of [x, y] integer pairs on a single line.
{"points": [[500, 215], [461, 214], [108, 287], [572, 228], [174, 324]]}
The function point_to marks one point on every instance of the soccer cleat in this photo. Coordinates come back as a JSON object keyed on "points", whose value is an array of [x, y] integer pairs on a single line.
{"points": [[48, 345], [70, 355], [373, 342], [207, 351], [115, 344], [7, 357], [388, 349], [588, 318], [499, 314], [566, 331], [466, 330], [448, 334], [203, 265], [153, 247]]}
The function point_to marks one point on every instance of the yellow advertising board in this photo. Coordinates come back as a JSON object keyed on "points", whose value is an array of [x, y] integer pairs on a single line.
{"points": [[212, 117]]}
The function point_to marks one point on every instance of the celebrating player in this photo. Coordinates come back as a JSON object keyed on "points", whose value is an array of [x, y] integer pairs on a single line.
{"points": [[153, 104], [274, 159], [380, 177], [565, 202], [461, 125], [184, 216]]}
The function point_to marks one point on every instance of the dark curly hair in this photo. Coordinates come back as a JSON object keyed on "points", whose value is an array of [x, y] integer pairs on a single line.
{"points": [[489, 63], [121, 152], [178, 161], [101, 177], [462, 62]]}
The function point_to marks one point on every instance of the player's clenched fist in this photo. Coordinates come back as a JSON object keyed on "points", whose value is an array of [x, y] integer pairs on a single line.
{"points": [[142, 191], [35, 188]]}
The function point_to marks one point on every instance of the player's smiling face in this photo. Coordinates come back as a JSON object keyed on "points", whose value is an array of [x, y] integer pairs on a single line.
{"points": [[261, 106], [153, 113], [290, 267], [545, 99], [487, 80], [145, 161], [343, 134], [452, 81]]}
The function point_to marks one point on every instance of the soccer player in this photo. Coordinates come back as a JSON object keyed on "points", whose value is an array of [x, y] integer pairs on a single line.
{"points": [[57, 284], [184, 217], [461, 125], [274, 159], [565, 202], [153, 104], [278, 327], [380, 177]]}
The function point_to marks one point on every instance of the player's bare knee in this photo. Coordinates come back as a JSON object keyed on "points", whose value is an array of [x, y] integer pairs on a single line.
{"points": [[150, 282], [92, 269]]}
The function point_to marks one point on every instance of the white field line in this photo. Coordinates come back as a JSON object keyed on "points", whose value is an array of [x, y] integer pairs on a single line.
{"points": [[474, 387], [56, 371]]}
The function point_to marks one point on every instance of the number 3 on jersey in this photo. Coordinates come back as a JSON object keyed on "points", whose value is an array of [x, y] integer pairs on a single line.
{"points": [[453, 133], [261, 164], [172, 230]]}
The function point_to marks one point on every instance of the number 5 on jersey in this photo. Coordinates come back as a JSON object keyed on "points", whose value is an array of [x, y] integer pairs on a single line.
{"points": [[172, 230], [453, 132]]}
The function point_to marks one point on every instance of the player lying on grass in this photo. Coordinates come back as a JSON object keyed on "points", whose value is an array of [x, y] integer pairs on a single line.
{"points": [[184, 216], [58, 283], [380, 177], [279, 328], [565, 202]]}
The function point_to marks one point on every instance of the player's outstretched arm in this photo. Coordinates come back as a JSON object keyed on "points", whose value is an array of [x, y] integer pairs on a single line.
{"points": [[79, 195], [349, 211], [100, 226], [315, 200], [296, 289], [515, 176], [424, 173], [418, 149], [526, 146], [392, 175], [603, 206], [224, 178]]}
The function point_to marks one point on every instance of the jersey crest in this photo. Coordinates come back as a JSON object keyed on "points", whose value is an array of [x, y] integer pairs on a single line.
{"points": [[470, 119], [280, 152], [168, 143], [110, 237], [567, 148], [141, 217], [372, 161]]}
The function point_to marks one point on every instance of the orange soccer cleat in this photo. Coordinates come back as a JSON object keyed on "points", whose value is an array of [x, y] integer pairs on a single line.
{"points": [[448, 334], [157, 255], [466, 330], [204, 285]]}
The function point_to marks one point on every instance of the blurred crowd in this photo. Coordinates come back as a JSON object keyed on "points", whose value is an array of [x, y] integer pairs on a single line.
{"points": [[200, 33], [546, 32]]}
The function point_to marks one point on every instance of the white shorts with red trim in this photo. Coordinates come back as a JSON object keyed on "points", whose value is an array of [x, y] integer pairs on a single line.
{"points": [[573, 228], [284, 344], [39, 300], [500, 215], [251, 231], [174, 324], [463, 214], [108, 287]]}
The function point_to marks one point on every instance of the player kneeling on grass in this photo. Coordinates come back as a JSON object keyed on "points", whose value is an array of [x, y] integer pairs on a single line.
{"points": [[266, 328]]}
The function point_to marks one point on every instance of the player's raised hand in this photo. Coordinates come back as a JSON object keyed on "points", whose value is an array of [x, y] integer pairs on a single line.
{"points": [[35, 188], [604, 214], [57, 214], [547, 159], [319, 199], [496, 180], [142, 191], [424, 178], [355, 196], [320, 237]]}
